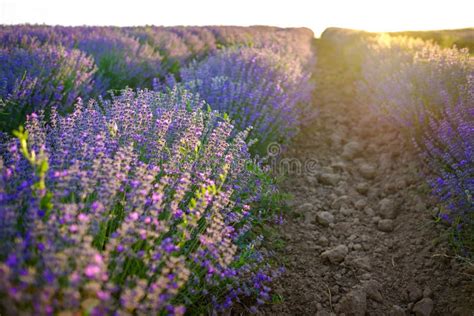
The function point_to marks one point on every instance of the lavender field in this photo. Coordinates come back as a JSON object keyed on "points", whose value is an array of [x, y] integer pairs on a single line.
{"points": [[234, 170]]}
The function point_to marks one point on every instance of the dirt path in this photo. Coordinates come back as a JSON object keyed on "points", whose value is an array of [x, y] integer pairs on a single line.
{"points": [[360, 238]]}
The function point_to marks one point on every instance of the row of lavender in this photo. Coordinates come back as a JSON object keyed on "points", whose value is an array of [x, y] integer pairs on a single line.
{"points": [[145, 201], [428, 92], [44, 66]]}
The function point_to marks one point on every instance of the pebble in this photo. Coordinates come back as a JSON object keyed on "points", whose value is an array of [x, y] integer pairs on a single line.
{"points": [[376, 219], [360, 204], [325, 218], [367, 171], [357, 247], [414, 292], [341, 201], [323, 241], [346, 211], [353, 303], [336, 254], [369, 212], [362, 188], [423, 307], [385, 225], [387, 208], [363, 263], [329, 179], [373, 288], [351, 150], [338, 166], [342, 228], [397, 311]]}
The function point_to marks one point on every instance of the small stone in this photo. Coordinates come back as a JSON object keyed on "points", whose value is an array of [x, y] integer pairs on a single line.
{"points": [[329, 179], [414, 292], [351, 150], [385, 225], [357, 247], [427, 292], [325, 218], [336, 255], [352, 237], [373, 289], [342, 228], [369, 212], [323, 241], [363, 263], [354, 303], [338, 166], [376, 219], [341, 201], [423, 307], [396, 311], [362, 188], [367, 171], [346, 211], [340, 190], [387, 208], [360, 204]]}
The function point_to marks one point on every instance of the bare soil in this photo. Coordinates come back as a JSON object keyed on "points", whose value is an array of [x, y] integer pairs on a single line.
{"points": [[360, 238]]}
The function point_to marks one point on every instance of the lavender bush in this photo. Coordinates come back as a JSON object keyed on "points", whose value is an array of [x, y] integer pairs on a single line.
{"points": [[428, 92], [448, 152], [121, 60], [133, 56], [412, 80], [36, 78], [255, 87], [141, 205]]}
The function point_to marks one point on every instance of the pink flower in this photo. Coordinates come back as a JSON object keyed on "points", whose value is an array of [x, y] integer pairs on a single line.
{"points": [[98, 259], [92, 271], [103, 296], [74, 228], [83, 217], [134, 216]]}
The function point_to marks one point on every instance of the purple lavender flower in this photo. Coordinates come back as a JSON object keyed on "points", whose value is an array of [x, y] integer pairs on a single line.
{"points": [[123, 204], [38, 78], [256, 88]]}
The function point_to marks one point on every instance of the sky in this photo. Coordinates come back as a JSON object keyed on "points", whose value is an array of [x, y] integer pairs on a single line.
{"points": [[370, 15]]}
